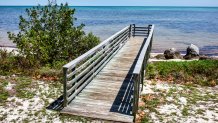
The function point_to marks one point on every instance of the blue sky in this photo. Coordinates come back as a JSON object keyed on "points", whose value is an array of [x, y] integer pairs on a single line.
{"points": [[117, 2]]}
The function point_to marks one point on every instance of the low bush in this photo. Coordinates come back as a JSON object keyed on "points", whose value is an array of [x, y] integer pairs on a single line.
{"points": [[202, 72]]}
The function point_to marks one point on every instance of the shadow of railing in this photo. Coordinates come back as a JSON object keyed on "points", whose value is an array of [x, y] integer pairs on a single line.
{"points": [[124, 99], [57, 105]]}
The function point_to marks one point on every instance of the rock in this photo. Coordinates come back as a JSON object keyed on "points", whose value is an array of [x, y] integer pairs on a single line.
{"points": [[172, 53], [192, 52], [13, 75]]}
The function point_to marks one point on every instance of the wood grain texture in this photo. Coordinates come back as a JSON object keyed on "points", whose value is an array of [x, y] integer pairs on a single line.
{"points": [[109, 95]]}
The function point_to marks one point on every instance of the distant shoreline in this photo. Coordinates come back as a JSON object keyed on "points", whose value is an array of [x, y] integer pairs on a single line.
{"points": [[120, 6], [6, 46], [153, 53]]}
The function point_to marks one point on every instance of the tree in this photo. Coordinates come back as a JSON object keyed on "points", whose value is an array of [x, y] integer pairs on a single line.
{"points": [[48, 34]]}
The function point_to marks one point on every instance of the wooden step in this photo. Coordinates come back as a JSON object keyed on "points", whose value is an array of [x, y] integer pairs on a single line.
{"points": [[98, 114]]}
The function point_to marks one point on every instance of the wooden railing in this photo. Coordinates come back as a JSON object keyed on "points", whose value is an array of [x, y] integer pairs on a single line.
{"points": [[140, 31], [79, 72], [139, 69]]}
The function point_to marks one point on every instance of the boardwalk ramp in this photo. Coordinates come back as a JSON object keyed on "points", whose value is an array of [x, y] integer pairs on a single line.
{"points": [[104, 83]]}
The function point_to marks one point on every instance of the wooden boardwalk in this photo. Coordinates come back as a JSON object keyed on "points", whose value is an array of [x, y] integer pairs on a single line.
{"points": [[109, 95]]}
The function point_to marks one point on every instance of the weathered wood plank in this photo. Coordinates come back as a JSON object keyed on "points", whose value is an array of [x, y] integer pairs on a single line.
{"points": [[115, 117], [117, 79]]}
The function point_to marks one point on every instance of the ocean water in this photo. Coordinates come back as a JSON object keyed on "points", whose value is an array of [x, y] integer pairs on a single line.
{"points": [[175, 27]]}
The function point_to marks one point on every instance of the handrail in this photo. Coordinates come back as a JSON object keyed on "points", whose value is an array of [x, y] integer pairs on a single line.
{"points": [[139, 69], [79, 72], [140, 60], [90, 52], [140, 31]]}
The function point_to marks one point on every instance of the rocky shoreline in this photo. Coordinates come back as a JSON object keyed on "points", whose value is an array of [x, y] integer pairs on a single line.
{"points": [[172, 54]]}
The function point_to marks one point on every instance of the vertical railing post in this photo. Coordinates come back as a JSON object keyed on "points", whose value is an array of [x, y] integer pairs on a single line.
{"points": [[139, 81], [73, 69], [134, 95], [149, 29], [143, 73], [133, 30], [151, 41], [65, 86], [137, 78], [130, 30]]}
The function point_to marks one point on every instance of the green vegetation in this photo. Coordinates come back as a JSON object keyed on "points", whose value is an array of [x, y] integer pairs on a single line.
{"points": [[203, 72], [66, 117], [48, 39], [3, 94], [48, 35], [151, 101], [24, 87], [11, 64], [185, 111]]}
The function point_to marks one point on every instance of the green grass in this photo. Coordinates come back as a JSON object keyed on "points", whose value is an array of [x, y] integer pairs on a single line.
{"points": [[200, 111], [145, 119], [202, 72], [185, 111], [3, 94], [23, 88], [152, 101], [66, 117]]}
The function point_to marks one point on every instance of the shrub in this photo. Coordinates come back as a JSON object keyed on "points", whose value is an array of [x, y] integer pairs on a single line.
{"points": [[48, 35], [13, 64], [203, 72]]}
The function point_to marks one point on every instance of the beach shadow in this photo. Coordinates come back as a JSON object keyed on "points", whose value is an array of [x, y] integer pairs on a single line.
{"points": [[57, 105]]}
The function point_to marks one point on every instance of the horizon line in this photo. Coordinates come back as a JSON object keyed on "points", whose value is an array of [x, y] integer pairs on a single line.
{"points": [[104, 6]]}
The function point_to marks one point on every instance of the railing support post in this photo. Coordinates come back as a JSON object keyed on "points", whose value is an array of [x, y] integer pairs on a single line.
{"points": [[136, 79], [73, 69], [134, 96], [130, 30], [143, 73], [149, 29], [151, 42], [65, 86], [133, 30]]}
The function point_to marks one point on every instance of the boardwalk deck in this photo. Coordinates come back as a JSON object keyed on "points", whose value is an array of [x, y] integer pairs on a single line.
{"points": [[109, 95]]}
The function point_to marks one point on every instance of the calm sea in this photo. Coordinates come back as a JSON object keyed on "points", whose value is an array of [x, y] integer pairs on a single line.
{"points": [[174, 26]]}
